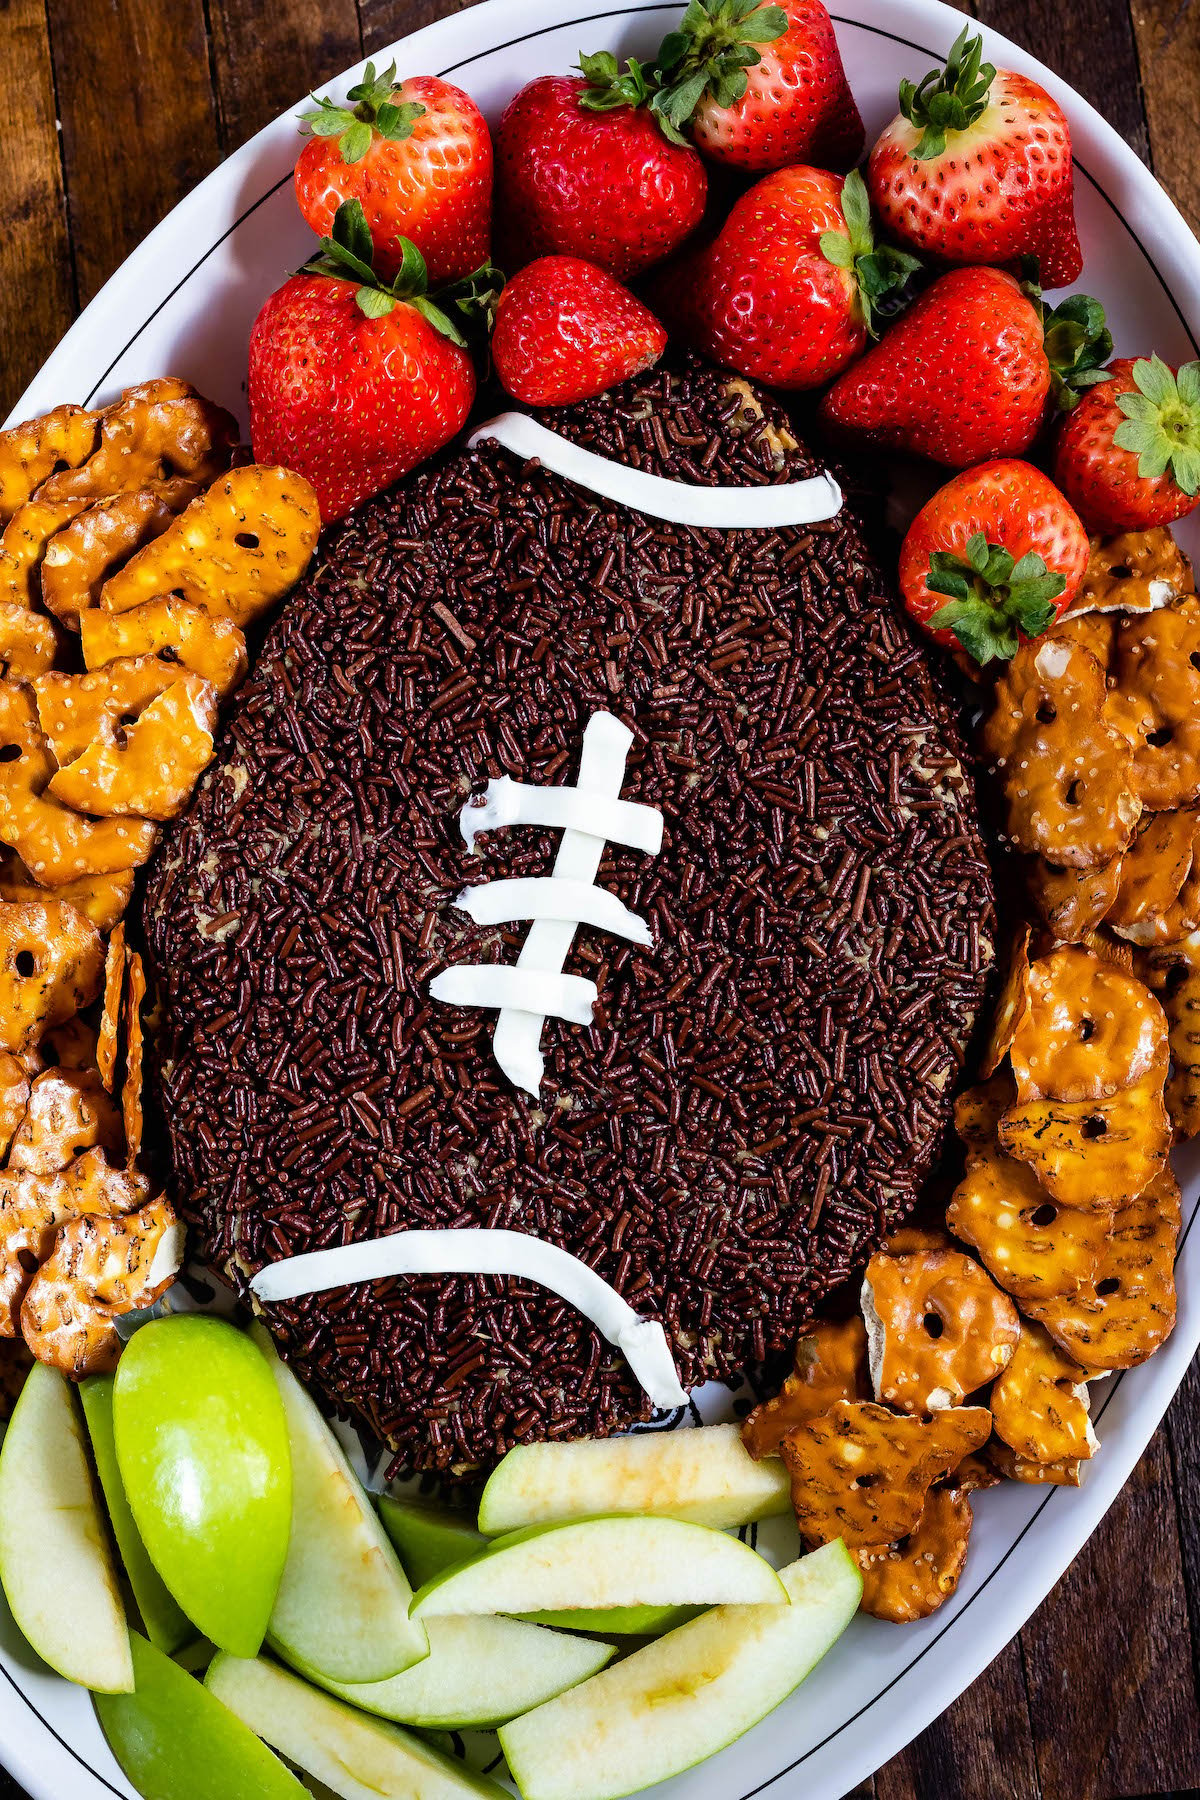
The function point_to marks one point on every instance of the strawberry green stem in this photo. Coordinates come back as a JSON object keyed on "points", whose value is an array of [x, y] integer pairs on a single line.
{"points": [[349, 255], [1161, 426], [948, 99], [992, 601], [370, 112]]}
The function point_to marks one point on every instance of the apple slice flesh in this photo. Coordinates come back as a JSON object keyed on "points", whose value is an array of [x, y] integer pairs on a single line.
{"points": [[680, 1700], [704, 1475], [611, 1562], [174, 1741], [356, 1757], [479, 1672], [342, 1610], [55, 1564], [167, 1626]]}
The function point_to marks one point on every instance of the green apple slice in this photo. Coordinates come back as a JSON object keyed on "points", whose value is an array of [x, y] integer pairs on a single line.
{"points": [[607, 1562], [613, 1621], [174, 1741], [357, 1758], [203, 1453], [705, 1475], [342, 1611], [479, 1671], [667, 1707], [55, 1564], [166, 1624]]}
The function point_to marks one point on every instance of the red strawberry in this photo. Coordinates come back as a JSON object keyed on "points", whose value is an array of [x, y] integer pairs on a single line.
{"points": [[1129, 455], [565, 330], [418, 157], [996, 556], [575, 178], [354, 381], [792, 105], [785, 293], [967, 373], [977, 168]]}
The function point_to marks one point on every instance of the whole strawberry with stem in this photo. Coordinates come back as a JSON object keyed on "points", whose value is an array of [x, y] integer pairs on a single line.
{"points": [[354, 380], [417, 156], [790, 104], [994, 557], [788, 292], [566, 331], [977, 168], [1129, 455], [970, 371]]}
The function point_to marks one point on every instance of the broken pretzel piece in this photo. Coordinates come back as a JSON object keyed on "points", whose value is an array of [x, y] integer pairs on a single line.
{"points": [[1092, 1153], [1158, 896], [51, 964], [69, 1046], [979, 1110], [1040, 1405], [1089, 1030], [68, 1112], [907, 1581], [862, 1473], [1011, 1007], [177, 632], [148, 767], [80, 558], [33, 451], [131, 1089], [830, 1364], [110, 1017], [156, 431], [34, 1205], [1072, 903], [103, 899], [1174, 975], [1158, 683], [1033, 1246], [14, 1097], [938, 1328], [1133, 572], [1012, 1467]]}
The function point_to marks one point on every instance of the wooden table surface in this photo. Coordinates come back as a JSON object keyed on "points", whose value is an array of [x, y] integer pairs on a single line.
{"points": [[113, 110]]}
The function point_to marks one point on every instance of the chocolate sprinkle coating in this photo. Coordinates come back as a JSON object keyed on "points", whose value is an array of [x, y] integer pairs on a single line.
{"points": [[763, 1089]]}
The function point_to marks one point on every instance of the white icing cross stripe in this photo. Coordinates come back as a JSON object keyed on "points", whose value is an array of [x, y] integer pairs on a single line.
{"points": [[590, 815]]}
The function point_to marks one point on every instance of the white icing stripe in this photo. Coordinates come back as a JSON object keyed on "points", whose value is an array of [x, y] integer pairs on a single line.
{"points": [[549, 897], [643, 1342], [507, 802], [727, 508], [535, 993]]}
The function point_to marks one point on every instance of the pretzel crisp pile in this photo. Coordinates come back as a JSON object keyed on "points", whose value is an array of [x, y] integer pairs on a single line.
{"points": [[136, 549]]}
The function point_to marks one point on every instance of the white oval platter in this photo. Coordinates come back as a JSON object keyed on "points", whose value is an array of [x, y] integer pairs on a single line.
{"points": [[182, 305]]}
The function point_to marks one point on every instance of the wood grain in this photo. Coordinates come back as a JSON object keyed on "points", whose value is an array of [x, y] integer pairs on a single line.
{"points": [[269, 57], [1168, 41], [983, 1744]]}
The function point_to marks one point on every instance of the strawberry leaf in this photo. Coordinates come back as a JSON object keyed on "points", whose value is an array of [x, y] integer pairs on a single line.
{"points": [[370, 111], [707, 55], [992, 601], [948, 99], [375, 302], [881, 272], [1161, 423], [355, 141], [1078, 344]]}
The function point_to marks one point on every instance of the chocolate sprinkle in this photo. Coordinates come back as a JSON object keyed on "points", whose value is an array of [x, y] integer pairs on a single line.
{"points": [[763, 1089]]}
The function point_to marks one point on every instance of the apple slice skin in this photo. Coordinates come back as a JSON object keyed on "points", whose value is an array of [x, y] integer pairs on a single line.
{"points": [[614, 1621], [55, 1563], [680, 1700], [622, 1560], [202, 1447], [703, 1474], [167, 1627], [175, 1741]]}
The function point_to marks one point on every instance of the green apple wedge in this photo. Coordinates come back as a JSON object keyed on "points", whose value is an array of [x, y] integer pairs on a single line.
{"points": [[430, 1538], [167, 1626], [175, 1741], [704, 1475], [202, 1447], [680, 1700], [342, 1611], [608, 1562], [56, 1567], [479, 1672], [355, 1756]]}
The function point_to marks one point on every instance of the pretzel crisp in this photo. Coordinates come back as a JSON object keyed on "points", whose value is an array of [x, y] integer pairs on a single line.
{"points": [[907, 1581], [174, 630], [98, 540], [938, 1328], [1158, 896], [146, 768], [34, 1206], [235, 551], [912, 1240], [979, 1110], [156, 431], [14, 1097], [1072, 903], [1068, 774], [23, 545], [1035, 1248], [51, 965], [101, 898], [1122, 1316], [56, 845], [1040, 1404], [68, 1112], [98, 1270], [31, 452], [1019, 1468], [1088, 1030], [1011, 1007], [131, 1090], [1159, 707], [70, 1046], [1134, 572], [110, 1018], [1086, 1152], [830, 1364], [861, 1473], [1174, 975]]}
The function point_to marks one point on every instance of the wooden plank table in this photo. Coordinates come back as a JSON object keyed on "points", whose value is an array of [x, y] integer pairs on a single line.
{"points": [[1097, 1698]]}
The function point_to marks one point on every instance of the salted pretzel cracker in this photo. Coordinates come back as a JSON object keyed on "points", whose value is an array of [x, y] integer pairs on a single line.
{"points": [[907, 1581], [14, 1097], [23, 545], [1034, 1247], [99, 1270], [1174, 975], [235, 551], [1088, 1030], [131, 1090], [28, 643], [1086, 1152], [34, 1206], [979, 1110], [1134, 572], [156, 431], [830, 1364], [73, 709], [70, 1046], [938, 1328], [1011, 1007], [1068, 774], [68, 1113], [1072, 903], [1128, 1310], [56, 845], [101, 898], [1019, 1468], [80, 558], [148, 768], [1158, 896], [177, 632], [110, 1017], [33, 451], [51, 965], [1040, 1404], [1158, 685]]}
